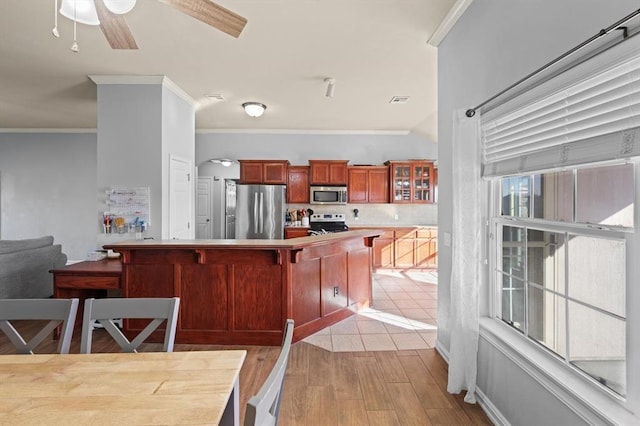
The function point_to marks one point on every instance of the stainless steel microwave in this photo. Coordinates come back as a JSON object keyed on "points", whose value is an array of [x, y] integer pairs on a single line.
{"points": [[328, 195]]}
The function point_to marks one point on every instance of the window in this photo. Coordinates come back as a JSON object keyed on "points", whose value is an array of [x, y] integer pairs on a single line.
{"points": [[561, 263]]}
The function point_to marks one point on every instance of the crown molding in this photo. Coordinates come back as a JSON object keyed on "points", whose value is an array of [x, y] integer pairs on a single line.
{"points": [[45, 130], [144, 79], [448, 22], [307, 132]]}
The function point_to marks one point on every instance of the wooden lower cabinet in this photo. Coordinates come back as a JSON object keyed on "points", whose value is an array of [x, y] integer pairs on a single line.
{"points": [[383, 251], [406, 248], [242, 294], [427, 248], [295, 232]]}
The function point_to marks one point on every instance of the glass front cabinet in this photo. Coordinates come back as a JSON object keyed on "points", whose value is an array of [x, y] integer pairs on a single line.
{"points": [[412, 181]]}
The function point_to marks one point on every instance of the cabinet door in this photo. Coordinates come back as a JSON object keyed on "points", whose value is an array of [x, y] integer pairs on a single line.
{"points": [[421, 185], [401, 183], [404, 248], [274, 172], [378, 185], [298, 185], [357, 187], [338, 173], [328, 172], [427, 248], [319, 172], [250, 171], [383, 251]]}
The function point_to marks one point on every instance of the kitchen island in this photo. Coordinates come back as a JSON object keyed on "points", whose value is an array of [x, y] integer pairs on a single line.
{"points": [[240, 292]]}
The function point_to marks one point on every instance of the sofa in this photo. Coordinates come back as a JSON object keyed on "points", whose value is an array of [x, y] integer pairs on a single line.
{"points": [[25, 265]]}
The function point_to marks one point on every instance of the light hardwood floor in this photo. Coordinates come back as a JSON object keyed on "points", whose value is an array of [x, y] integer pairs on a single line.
{"points": [[338, 388], [327, 385]]}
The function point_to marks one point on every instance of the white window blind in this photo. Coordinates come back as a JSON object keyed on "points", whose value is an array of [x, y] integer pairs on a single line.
{"points": [[590, 113]]}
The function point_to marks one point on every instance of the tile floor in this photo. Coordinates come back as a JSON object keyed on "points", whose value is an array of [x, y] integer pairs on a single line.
{"points": [[403, 316]]}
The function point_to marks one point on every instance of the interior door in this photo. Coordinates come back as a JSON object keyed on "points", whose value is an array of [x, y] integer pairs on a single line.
{"points": [[204, 222], [180, 198]]}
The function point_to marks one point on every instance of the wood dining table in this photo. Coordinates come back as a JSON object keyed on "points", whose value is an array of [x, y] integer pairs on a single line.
{"points": [[151, 388]]}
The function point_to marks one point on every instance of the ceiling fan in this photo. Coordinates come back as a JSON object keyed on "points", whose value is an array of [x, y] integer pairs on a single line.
{"points": [[109, 14]]}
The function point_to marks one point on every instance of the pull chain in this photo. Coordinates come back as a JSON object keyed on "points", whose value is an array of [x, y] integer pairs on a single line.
{"points": [[55, 32], [74, 46]]}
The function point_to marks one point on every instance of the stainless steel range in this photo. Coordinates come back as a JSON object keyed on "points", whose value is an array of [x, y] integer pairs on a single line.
{"points": [[327, 223]]}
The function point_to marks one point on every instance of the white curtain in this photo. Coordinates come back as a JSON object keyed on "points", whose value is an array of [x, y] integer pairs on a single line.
{"points": [[466, 255]]}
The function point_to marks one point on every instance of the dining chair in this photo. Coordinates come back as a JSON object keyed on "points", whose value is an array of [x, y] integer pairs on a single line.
{"points": [[264, 407], [57, 311], [106, 312]]}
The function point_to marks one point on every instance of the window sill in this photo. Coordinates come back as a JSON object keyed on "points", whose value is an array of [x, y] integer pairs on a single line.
{"points": [[594, 405]]}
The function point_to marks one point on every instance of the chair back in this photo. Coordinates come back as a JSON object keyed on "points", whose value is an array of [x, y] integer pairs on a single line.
{"points": [[105, 311], [264, 407], [57, 311]]}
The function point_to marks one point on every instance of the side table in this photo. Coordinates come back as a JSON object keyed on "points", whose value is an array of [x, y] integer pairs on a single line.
{"points": [[86, 279]]}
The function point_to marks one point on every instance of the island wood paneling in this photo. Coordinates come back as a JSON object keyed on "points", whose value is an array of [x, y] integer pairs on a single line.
{"points": [[211, 293], [334, 277], [360, 286], [306, 291], [242, 291]]}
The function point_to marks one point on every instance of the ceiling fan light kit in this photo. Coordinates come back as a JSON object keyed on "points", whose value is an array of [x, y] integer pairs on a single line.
{"points": [[254, 109], [82, 11], [109, 14], [119, 7]]}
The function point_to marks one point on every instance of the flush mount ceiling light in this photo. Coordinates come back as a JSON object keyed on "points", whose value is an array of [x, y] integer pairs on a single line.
{"points": [[223, 161], [254, 109]]}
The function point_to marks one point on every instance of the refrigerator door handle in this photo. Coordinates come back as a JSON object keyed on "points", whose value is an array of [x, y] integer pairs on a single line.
{"points": [[255, 212], [261, 212]]}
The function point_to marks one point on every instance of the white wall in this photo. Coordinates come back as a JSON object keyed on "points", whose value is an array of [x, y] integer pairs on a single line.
{"points": [[48, 187], [299, 148], [494, 44], [178, 139], [49, 184], [130, 146]]}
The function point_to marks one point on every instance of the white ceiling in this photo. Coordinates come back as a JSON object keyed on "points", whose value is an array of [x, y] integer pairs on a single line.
{"points": [[375, 49]]}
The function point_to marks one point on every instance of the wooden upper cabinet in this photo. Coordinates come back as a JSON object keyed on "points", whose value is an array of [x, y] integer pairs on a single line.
{"points": [[379, 184], [328, 172], [368, 184], [411, 181], [298, 184], [358, 186], [270, 172]]}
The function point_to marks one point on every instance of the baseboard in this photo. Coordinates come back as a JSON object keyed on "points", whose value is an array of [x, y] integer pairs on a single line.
{"points": [[485, 403]]}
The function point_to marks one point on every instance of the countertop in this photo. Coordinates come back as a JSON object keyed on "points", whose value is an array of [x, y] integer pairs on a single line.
{"points": [[292, 243]]}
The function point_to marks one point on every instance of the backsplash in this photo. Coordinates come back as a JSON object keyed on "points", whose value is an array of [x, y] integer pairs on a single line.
{"points": [[379, 214]]}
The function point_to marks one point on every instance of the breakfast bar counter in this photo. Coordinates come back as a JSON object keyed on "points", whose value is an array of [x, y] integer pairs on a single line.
{"points": [[241, 292]]}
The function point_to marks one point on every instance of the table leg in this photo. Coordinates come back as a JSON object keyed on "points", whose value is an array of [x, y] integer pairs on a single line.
{"points": [[231, 415]]}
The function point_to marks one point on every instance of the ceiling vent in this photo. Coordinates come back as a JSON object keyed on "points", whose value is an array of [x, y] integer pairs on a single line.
{"points": [[399, 100], [216, 97]]}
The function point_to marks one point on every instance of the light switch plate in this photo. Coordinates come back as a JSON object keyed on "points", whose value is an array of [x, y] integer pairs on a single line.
{"points": [[447, 239]]}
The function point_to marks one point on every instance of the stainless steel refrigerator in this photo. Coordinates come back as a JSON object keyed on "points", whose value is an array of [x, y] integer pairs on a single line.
{"points": [[260, 211]]}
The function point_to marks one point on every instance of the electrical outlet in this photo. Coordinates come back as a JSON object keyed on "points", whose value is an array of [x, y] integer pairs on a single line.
{"points": [[336, 291], [396, 216]]}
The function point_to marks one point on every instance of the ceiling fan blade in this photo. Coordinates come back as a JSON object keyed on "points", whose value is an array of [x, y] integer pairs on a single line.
{"points": [[115, 28], [211, 14]]}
